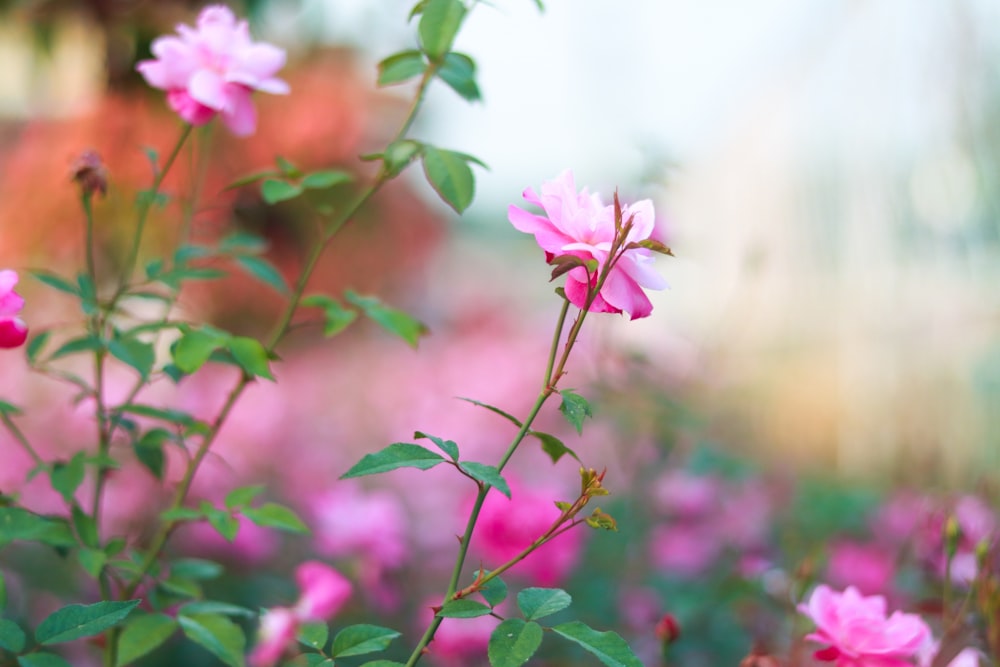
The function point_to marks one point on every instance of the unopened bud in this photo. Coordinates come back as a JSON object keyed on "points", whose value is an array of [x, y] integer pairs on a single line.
{"points": [[952, 534], [89, 172], [667, 630]]}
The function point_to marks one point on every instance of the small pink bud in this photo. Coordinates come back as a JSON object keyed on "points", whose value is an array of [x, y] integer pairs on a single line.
{"points": [[668, 630], [89, 172]]}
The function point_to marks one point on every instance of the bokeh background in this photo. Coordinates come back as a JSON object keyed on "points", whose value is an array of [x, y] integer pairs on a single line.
{"points": [[825, 171]]}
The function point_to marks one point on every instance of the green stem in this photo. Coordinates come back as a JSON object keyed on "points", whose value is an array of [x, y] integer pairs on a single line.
{"points": [[88, 241], [145, 204], [21, 439], [548, 389]]}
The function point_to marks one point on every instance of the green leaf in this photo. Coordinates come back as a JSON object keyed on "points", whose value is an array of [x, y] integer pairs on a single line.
{"points": [[609, 647], [35, 346], [274, 191], [223, 522], [242, 243], [399, 154], [194, 348], [273, 515], [287, 168], [328, 178], [396, 455], [486, 474], [250, 355], [575, 408], [149, 450], [459, 72], [3, 592], [134, 353], [243, 495], [11, 636], [513, 642], [9, 409], [56, 282], [439, 23], [164, 414], [392, 320], [309, 660], [196, 568], [214, 607], [494, 591], [182, 514], [92, 561], [450, 176], [553, 446], [20, 524], [382, 663], [264, 271], [361, 639], [506, 415], [67, 477], [188, 251], [77, 620], [85, 526], [538, 603], [464, 608], [337, 318], [251, 178], [220, 636], [42, 660], [143, 634], [449, 447], [314, 635], [400, 67], [86, 343]]}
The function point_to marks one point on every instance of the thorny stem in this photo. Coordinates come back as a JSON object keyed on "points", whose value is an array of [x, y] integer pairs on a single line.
{"points": [[553, 373]]}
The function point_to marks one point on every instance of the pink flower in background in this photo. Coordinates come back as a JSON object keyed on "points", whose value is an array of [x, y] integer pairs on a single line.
{"points": [[371, 525], [13, 330], [277, 630], [508, 526], [213, 69], [868, 567], [578, 223], [460, 641], [976, 523], [858, 632], [322, 593]]}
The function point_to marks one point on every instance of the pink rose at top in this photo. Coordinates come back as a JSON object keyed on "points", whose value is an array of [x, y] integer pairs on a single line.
{"points": [[213, 69], [578, 223], [858, 632], [323, 592], [508, 526], [13, 330]]}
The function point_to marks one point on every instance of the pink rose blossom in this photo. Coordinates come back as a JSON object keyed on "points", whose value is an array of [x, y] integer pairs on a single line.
{"points": [[578, 223], [324, 591], [277, 630], [13, 330], [213, 68], [508, 526], [858, 632]]}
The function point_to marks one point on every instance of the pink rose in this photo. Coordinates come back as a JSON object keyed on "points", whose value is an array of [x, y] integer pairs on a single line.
{"points": [[277, 630], [578, 223], [858, 632], [13, 330], [869, 567], [323, 591], [212, 69]]}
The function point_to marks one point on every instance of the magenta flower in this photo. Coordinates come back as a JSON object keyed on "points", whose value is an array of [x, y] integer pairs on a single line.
{"points": [[578, 223], [13, 330], [213, 68], [324, 591], [858, 632]]}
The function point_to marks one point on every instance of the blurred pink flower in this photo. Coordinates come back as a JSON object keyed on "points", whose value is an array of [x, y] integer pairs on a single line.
{"points": [[13, 330], [324, 591], [868, 567], [968, 657], [976, 523], [370, 525], [213, 69], [277, 630], [858, 632], [580, 224], [685, 550], [680, 493], [507, 526]]}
